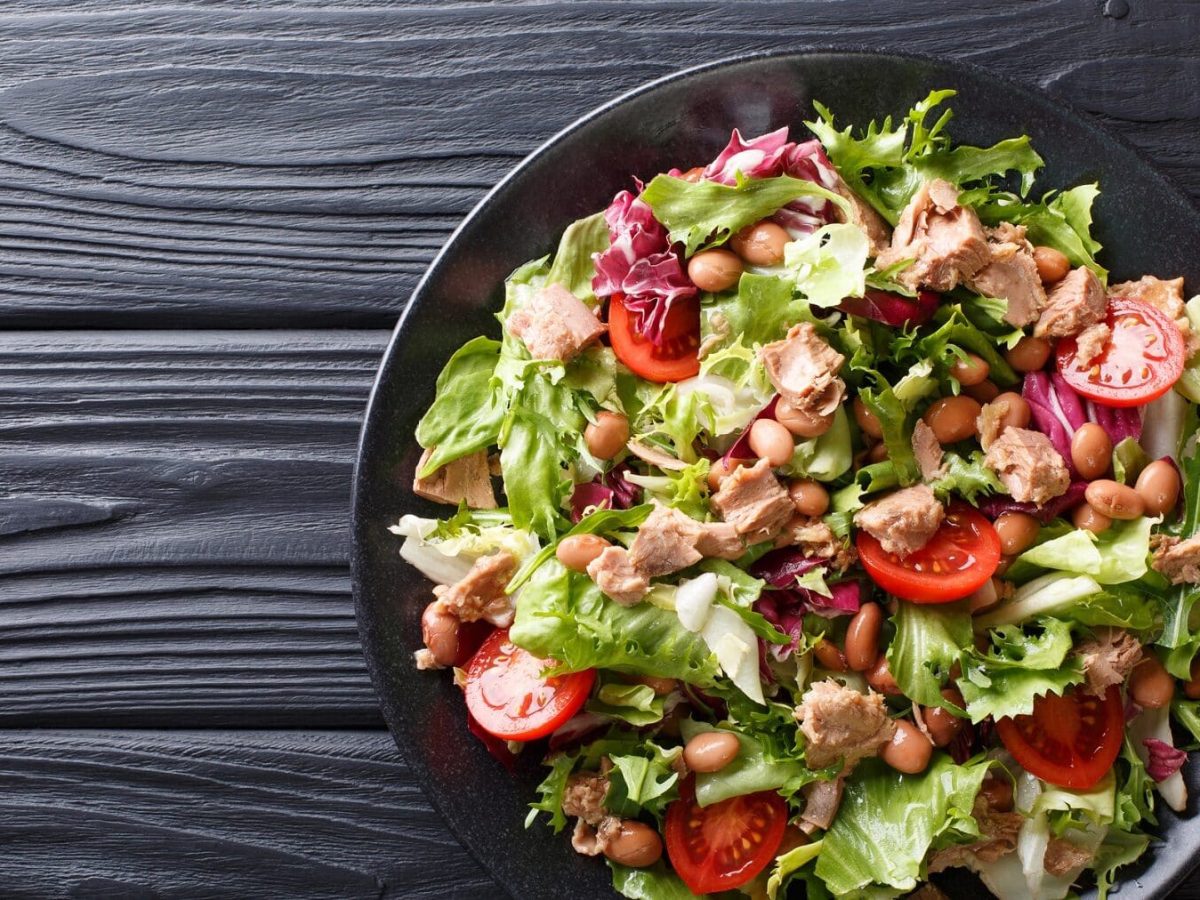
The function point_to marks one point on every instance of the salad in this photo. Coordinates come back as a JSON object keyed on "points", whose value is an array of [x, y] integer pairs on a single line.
{"points": [[848, 525]]}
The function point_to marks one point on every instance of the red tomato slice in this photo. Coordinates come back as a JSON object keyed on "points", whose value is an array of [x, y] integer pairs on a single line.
{"points": [[676, 359], [958, 560], [1143, 358], [1071, 740], [722, 846], [508, 696]]}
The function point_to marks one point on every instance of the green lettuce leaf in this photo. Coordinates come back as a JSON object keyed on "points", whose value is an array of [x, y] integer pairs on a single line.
{"points": [[886, 164], [750, 771], [951, 340], [467, 411], [573, 267], [706, 213], [1078, 598], [1062, 221], [829, 265], [968, 477], [897, 433], [1020, 665], [1128, 461], [1115, 556], [644, 781], [762, 310], [551, 792], [827, 457], [1119, 848], [564, 616], [1187, 714], [685, 490], [929, 640], [888, 821], [787, 864], [635, 704], [540, 418], [655, 882]]}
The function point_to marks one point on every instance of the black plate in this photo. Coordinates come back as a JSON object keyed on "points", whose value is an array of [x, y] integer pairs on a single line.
{"points": [[1144, 221]]}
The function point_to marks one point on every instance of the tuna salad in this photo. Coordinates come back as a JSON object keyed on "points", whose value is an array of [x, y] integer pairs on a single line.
{"points": [[824, 517]]}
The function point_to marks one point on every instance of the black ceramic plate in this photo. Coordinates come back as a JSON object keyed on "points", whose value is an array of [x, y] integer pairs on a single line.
{"points": [[1145, 223]]}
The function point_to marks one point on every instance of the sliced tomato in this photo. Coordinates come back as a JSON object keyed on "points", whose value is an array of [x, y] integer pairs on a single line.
{"points": [[1071, 740], [1142, 360], [723, 846], [958, 560], [508, 696], [675, 358]]}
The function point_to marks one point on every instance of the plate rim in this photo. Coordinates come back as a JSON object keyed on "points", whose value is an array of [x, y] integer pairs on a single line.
{"points": [[399, 728]]}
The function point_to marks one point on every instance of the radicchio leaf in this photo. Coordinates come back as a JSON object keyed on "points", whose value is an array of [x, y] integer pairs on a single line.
{"points": [[997, 505], [780, 568], [607, 491], [892, 309], [1164, 760]]}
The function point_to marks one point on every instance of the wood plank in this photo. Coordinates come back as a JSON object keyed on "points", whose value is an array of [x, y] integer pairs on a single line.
{"points": [[215, 813], [174, 528], [175, 164]]}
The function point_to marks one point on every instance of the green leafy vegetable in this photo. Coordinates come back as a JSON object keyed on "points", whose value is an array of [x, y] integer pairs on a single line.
{"points": [[968, 477], [655, 882], [551, 792], [827, 457], [789, 863], [600, 521], [643, 781], [467, 412], [750, 771], [707, 213], [1062, 221], [1128, 461], [887, 164], [928, 642], [762, 310], [564, 616], [897, 433], [829, 265], [888, 821], [1020, 665], [635, 704], [1117, 555], [573, 267]]}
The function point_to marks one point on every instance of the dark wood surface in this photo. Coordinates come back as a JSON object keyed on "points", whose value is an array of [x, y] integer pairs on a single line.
{"points": [[184, 708]]}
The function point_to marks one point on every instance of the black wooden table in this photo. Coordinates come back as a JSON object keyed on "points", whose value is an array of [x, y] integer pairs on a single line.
{"points": [[210, 217]]}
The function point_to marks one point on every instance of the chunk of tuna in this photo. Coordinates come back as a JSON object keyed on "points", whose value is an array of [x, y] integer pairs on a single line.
{"points": [[804, 369], [480, 593], [862, 214], [903, 521], [1028, 465], [665, 543], [945, 240], [1091, 342], [555, 324], [583, 797], [1108, 658], [841, 723], [928, 451], [465, 479], [1074, 303], [998, 837], [1012, 275], [1178, 560], [617, 577], [593, 840], [990, 421], [1062, 857], [754, 502], [816, 539]]}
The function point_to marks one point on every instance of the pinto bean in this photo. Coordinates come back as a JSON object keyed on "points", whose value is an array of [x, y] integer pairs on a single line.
{"points": [[909, 751], [862, 637], [711, 751]]}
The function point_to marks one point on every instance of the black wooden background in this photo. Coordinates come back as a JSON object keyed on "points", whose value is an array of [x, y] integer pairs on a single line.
{"points": [[210, 216]]}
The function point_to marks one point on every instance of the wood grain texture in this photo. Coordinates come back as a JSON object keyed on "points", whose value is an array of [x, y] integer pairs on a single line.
{"points": [[295, 814], [173, 528], [167, 164]]}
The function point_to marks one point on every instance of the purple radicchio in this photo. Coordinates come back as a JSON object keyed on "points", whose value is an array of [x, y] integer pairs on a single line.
{"points": [[1163, 759], [771, 155], [640, 265], [1058, 412], [999, 504], [892, 309], [607, 491], [785, 604]]}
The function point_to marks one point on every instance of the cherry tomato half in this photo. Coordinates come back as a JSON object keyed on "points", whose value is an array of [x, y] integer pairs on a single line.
{"points": [[508, 696], [676, 358], [1071, 740], [958, 560], [723, 846], [1142, 359]]}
